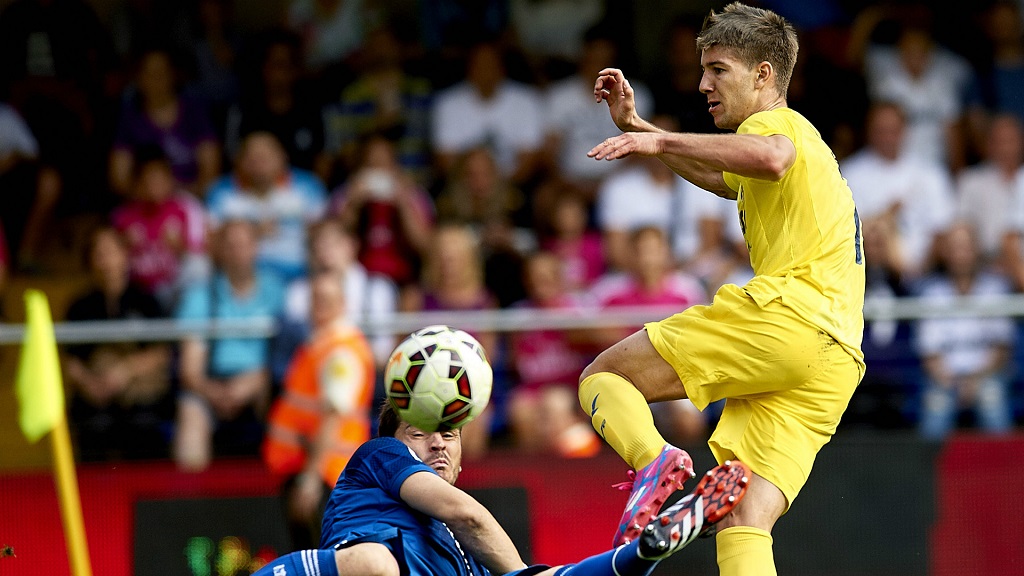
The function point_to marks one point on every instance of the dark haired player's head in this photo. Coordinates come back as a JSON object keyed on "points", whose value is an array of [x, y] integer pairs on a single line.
{"points": [[754, 35], [442, 451], [387, 422]]}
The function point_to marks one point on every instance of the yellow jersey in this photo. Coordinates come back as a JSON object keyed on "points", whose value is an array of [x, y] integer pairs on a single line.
{"points": [[803, 233]]}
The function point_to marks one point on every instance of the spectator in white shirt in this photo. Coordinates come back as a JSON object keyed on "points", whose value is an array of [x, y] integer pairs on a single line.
{"points": [[986, 191], [572, 121], [910, 195], [488, 109], [966, 359]]}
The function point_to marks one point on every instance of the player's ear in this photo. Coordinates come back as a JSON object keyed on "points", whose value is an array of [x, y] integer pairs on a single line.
{"points": [[765, 71]]}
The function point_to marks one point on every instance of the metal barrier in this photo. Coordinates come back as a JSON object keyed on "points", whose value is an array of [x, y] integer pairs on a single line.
{"points": [[508, 320]]}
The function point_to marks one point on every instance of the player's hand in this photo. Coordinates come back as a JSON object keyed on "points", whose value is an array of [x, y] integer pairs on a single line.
{"points": [[304, 501], [640, 143], [612, 87]]}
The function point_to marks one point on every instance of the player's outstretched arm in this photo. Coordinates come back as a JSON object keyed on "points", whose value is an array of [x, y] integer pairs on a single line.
{"points": [[475, 527], [702, 158]]}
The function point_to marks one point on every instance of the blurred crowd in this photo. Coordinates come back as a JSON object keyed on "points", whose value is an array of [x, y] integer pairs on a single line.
{"points": [[368, 157]]}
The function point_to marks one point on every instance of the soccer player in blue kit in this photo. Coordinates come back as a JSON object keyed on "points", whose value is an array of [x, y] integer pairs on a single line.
{"points": [[395, 511]]}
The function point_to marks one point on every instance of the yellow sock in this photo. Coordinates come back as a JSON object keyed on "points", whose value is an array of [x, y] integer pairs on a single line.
{"points": [[621, 415], [745, 551]]}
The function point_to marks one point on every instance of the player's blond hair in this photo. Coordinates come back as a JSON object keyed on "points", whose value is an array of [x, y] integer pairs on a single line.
{"points": [[756, 35]]}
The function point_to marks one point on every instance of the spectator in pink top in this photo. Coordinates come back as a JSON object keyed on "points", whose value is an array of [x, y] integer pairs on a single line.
{"points": [[542, 409], [577, 246], [652, 281], [157, 114], [164, 228]]}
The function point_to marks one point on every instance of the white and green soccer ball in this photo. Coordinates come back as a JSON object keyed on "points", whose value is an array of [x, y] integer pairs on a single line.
{"points": [[438, 378]]}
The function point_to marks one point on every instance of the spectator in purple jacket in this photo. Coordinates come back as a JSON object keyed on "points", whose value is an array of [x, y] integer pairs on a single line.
{"points": [[156, 113]]}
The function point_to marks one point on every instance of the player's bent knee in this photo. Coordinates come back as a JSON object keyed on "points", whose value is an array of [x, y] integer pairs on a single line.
{"points": [[368, 559], [761, 507]]}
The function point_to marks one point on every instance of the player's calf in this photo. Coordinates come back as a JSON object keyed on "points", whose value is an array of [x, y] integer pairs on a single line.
{"points": [[302, 563]]}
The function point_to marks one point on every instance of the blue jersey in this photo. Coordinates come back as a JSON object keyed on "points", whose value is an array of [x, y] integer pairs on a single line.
{"points": [[365, 506]]}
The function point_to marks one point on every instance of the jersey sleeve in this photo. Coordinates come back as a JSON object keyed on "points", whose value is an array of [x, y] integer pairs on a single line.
{"points": [[386, 463], [762, 124]]}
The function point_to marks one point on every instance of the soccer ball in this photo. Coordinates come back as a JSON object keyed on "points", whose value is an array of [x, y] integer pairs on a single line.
{"points": [[438, 378]]}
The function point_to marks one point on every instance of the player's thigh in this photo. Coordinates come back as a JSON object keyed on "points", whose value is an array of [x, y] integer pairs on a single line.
{"points": [[735, 348], [367, 559], [636, 359]]}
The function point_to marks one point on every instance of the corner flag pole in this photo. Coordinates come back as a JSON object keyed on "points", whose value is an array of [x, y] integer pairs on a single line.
{"points": [[41, 397], [70, 502]]}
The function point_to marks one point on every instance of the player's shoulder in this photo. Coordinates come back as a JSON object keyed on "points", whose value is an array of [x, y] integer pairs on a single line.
{"points": [[383, 449], [783, 120]]}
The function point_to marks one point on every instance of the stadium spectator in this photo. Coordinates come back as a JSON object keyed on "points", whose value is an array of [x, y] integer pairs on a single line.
{"points": [[225, 382], [28, 203], [927, 81], [280, 198], [391, 215], [572, 123], [156, 113], [912, 196], [164, 227], [479, 196], [331, 30], [333, 250], [137, 25], [382, 99], [216, 46], [120, 405], [453, 280], [985, 192], [542, 407], [651, 279], [323, 413], [966, 360], [645, 192], [276, 98], [57, 65], [489, 109], [1002, 72], [552, 34], [573, 241]]}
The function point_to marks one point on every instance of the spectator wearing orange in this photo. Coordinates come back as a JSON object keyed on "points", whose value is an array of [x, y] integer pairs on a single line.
{"points": [[323, 413]]}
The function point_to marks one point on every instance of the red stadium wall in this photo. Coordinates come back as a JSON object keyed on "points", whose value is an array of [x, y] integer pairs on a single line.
{"points": [[979, 528], [564, 524], [976, 526]]}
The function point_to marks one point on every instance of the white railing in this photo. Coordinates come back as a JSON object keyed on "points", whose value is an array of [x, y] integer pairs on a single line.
{"points": [[512, 320]]}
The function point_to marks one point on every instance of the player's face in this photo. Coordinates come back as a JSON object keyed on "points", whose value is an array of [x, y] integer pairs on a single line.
{"points": [[730, 86], [442, 451]]}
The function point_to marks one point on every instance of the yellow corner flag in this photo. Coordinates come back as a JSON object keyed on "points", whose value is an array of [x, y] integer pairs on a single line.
{"points": [[41, 396], [39, 386]]}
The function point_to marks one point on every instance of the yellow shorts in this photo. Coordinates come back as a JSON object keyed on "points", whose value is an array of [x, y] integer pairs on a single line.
{"points": [[787, 383]]}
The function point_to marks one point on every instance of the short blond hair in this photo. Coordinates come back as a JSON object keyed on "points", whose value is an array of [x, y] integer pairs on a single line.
{"points": [[756, 35]]}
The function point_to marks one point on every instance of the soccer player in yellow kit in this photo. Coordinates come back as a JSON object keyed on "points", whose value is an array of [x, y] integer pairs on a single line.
{"points": [[784, 349]]}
